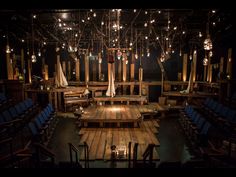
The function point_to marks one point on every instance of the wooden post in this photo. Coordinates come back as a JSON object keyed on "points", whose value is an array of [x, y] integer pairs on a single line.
{"points": [[94, 63], [119, 70], [222, 65], [86, 62], [69, 70], [205, 73], [132, 75], [77, 70], [194, 66], [124, 73], [99, 66], [229, 64], [140, 80], [9, 67], [185, 64], [29, 70], [210, 73], [22, 64], [209, 68], [46, 72]]}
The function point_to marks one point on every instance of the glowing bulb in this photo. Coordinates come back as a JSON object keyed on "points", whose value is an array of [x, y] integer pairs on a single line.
{"points": [[60, 24], [22, 40], [195, 52], [145, 24], [205, 61], [200, 34], [175, 28], [146, 12], [8, 49], [130, 44], [146, 37], [39, 53], [183, 32], [136, 56], [76, 35], [82, 20], [34, 16], [94, 14], [33, 58], [157, 38], [102, 23], [148, 54], [134, 10], [159, 11]]}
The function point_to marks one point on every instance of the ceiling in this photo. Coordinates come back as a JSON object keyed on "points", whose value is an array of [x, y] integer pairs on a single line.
{"points": [[93, 28]]}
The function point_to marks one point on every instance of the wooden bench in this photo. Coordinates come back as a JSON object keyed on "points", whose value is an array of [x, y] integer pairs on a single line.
{"points": [[74, 97], [121, 98]]}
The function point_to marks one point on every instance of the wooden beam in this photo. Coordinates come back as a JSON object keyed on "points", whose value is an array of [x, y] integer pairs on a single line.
{"points": [[222, 65], [229, 63], [185, 64], [69, 70], [194, 66], [209, 68], [9, 67], [46, 72], [140, 80], [132, 66], [205, 73], [94, 68], [22, 58], [99, 66], [77, 70], [29, 71], [86, 63]]}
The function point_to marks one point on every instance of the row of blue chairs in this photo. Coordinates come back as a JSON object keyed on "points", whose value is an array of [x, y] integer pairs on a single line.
{"points": [[195, 126], [43, 125], [222, 116], [15, 117], [5, 102]]}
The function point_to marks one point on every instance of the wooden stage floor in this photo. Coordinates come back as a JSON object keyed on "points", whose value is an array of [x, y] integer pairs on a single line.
{"points": [[116, 115], [101, 138]]}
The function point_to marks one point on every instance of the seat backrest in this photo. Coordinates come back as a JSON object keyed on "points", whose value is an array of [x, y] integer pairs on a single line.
{"points": [[32, 128], [231, 115], [205, 128], [13, 112], [7, 116], [201, 122]]}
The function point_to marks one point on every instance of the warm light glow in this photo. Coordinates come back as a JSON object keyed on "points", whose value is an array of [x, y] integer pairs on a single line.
{"points": [[8, 49], [33, 58], [205, 61], [145, 24], [136, 56], [64, 15], [207, 44]]}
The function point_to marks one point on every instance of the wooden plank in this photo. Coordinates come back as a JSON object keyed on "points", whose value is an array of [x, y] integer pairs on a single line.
{"points": [[77, 70], [185, 64], [107, 155], [94, 145], [101, 145]]}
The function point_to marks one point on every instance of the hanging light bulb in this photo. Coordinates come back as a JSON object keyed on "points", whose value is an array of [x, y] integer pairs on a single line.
{"points": [[148, 53], [39, 53], [8, 50], [33, 58], [136, 56], [205, 61], [162, 58], [208, 43], [190, 57], [210, 53]]}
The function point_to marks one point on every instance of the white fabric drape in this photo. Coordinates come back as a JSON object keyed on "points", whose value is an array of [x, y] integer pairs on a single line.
{"points": [[111, 84], [60, 78]]}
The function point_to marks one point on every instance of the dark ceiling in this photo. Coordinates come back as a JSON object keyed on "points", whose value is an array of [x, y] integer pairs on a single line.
{"points": [[83, 27]]}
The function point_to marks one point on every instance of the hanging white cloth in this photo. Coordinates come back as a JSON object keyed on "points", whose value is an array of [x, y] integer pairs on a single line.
{"points": [[111, 83], [60, 78], [190, 81]]}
